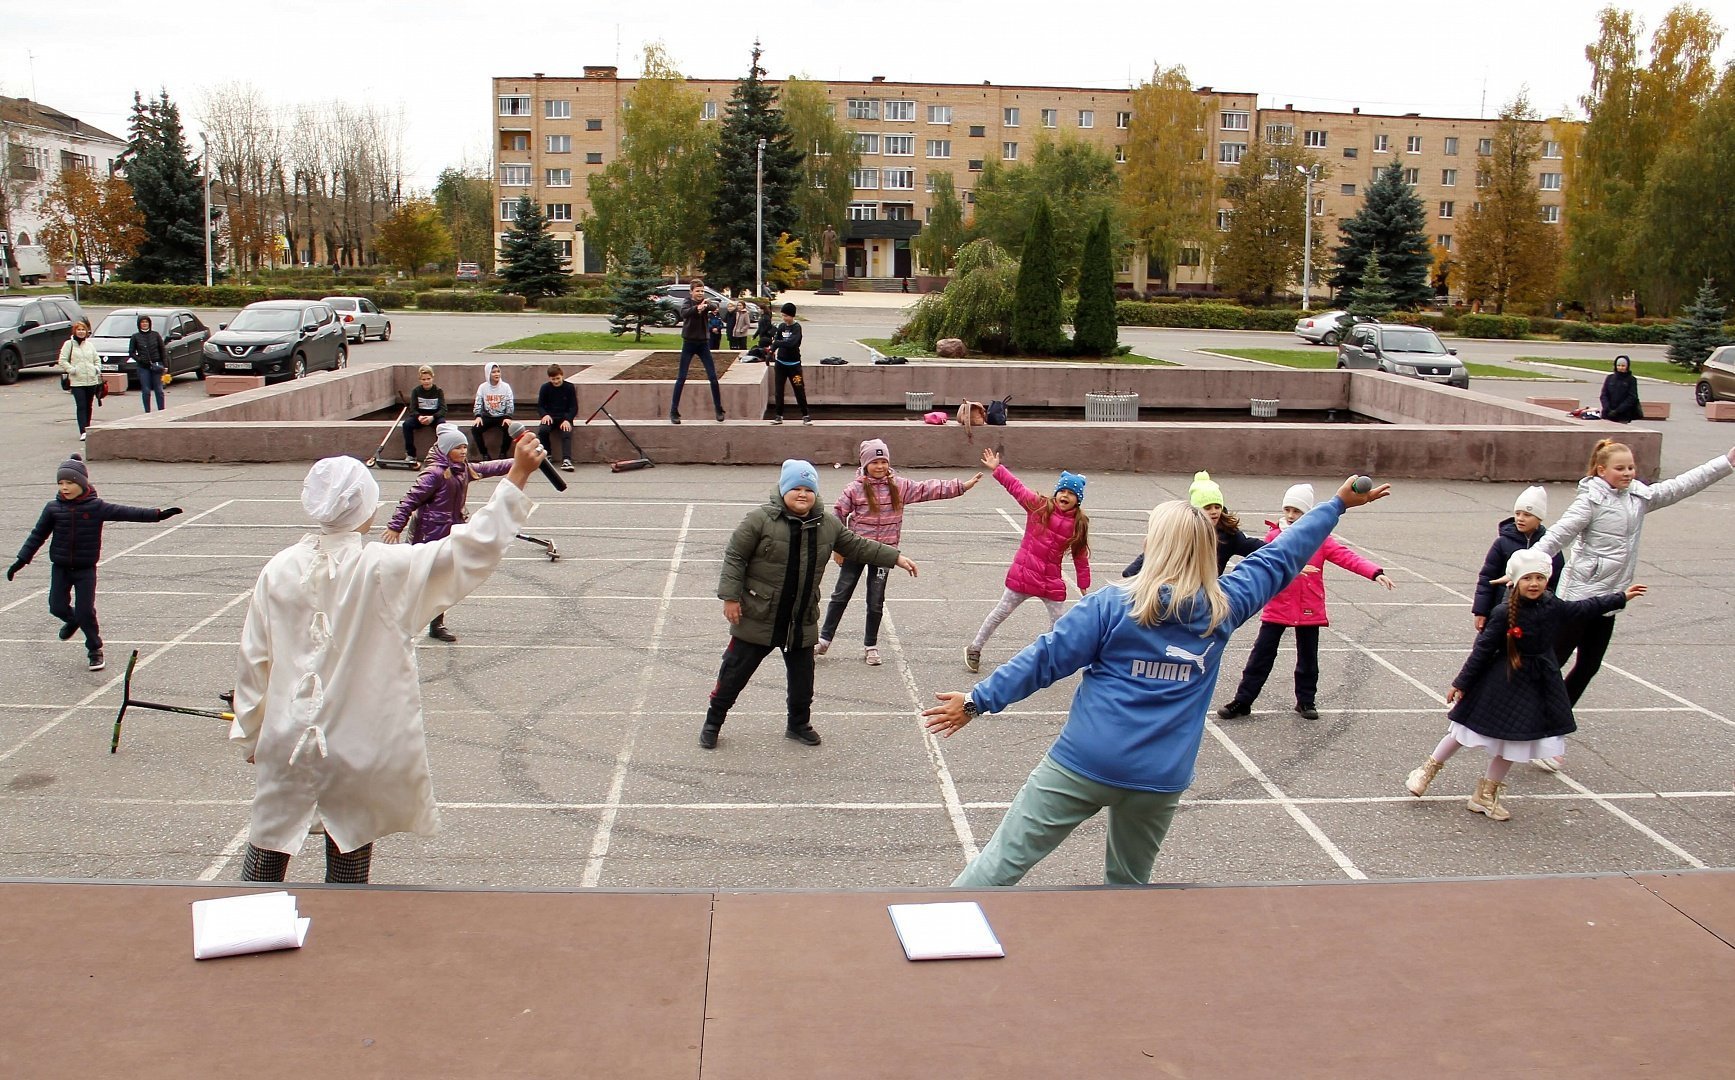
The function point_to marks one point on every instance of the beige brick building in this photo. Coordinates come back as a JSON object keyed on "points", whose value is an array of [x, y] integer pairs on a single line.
{"points": [[552, 133]]}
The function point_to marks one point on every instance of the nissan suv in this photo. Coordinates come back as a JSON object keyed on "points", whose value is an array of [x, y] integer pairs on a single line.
{"points": [[1414, 351], [279, 339]]}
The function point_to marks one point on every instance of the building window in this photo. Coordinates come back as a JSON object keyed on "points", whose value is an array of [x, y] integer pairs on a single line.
{"points": [[1123, 120], [900, 146], [1280, 134], [896, 211], [1314, 139], [508, 209], [1190, 256], [1481, 179], [866, 142], [1485, 147], [864, 211], [969, 198], [939, 114], [1009, 151], [1446, 209], [865, 178], [978, 131], [560, 211], [708, 111], [1230, 153], [1413, 144], [1346, 189], [1086, 118], [1382, 144], [1551, 214], [929, 186], [593, 125], [862, 108], [1451, 146], [1120, 155], [899, 179], [1223, 217], [557, 110], [1551, 181], [1476, 208], [557, 144], [901, 111], [1412, 177], [1318, 207], [1350, 152], [518, 144], [565, 248], [557, 177], [1234, 121], [1448, 177], [1445, 241], [514, 176], [1550, 148], [939, 148], [514, 104], [594, 157], [1009, 117], [975, 165], [1050, 118]]}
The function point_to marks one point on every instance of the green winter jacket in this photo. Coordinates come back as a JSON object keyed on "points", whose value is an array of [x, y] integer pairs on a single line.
{"points": [[757, 571]]}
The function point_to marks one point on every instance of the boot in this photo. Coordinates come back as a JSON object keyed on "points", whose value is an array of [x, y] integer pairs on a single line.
{"points": [[437, 630], [1486, 800], [708, 736], [1423, 775]]}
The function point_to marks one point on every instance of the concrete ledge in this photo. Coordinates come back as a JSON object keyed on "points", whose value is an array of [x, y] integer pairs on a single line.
{"points": [[221, 385], [1720, 410], [1655, 410], [1564, 404], [116, 381]]}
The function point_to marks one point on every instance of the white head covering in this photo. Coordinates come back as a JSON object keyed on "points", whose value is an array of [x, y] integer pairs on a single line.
{"points": [[1299, 496], [340, 494], [449, 437], [1528, 561], [1532, 500]]}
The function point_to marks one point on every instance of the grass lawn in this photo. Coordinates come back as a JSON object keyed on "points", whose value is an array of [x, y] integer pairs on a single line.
{"points": [[915, 352], [589, 341], [1327, 358], [1651, 369]]}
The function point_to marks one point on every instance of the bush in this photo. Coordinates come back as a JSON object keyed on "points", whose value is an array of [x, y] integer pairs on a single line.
{"points": [[1272, 318], [1493, 326], [1189, 316], [573, 305], [468, 300], [1439, 324], [1539, 325], [220, 296], [1619, 334], [423, 284]]}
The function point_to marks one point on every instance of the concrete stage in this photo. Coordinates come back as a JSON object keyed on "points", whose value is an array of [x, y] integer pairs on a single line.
{"points": [[1597, 976]]}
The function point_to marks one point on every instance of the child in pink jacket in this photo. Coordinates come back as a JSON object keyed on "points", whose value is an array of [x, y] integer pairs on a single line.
{"points": [[873, 506], [1054, 525], [1301, 605]]}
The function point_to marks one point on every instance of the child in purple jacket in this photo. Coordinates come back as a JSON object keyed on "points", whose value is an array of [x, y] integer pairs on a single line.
{"points": [[437, 500]]}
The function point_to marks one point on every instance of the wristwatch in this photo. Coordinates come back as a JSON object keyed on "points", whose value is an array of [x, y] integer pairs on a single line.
{"points": [[970, 709]]}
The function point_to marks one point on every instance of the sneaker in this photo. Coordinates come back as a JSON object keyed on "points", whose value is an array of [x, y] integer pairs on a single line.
{"points": [[1307, 712], [97, 663], [973, 658], [871, 657], [566, 465], [1234, 709], [81, 436], [674, 418], [1549, 764], [804, 734], [66, 631], [824, 644], [708, 737], [777, 419], [806, 419]]}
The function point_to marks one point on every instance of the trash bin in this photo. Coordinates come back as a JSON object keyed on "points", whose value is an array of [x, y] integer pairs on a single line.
{"points": [[918, 400], [1111, 407], [1265, 408]]}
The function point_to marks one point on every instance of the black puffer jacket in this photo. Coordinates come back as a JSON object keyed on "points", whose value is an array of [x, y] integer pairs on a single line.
{"points": [[1489, 595], [1530, 702], [76, 525], [145, 348], [1230, 542]]}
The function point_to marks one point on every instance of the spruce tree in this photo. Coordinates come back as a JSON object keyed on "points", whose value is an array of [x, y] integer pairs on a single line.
{"points": [[530, 260], [1094, 330], [752, 115], [1698, 331], [1036, 312], [165, 186], [1372, 299], [632, 304], [1391, 222]]}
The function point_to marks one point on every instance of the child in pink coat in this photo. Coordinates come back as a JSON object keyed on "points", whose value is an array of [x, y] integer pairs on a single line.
{"points": [[1054, 525], [1301, 605], [873, 506]]}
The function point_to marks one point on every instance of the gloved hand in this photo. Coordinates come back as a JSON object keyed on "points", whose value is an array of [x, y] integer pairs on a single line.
{"points": [[169, 512], [12, 571]]}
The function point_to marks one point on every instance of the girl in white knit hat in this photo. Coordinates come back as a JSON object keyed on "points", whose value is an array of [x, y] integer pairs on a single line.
{"points": [[1516, 533], [1509, 698]]}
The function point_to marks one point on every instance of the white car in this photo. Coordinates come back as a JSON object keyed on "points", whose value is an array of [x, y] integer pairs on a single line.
{"points": [[1320, 329], [360, 318], [81, 275]]}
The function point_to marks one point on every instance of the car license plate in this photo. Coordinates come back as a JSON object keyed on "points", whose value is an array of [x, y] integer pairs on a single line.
{"points": [[237, 367], [112, 366]]}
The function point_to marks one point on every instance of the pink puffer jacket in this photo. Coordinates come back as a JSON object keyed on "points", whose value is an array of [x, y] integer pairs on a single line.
{"points": [[1302, 602], [1035, 569], [885, 524]]}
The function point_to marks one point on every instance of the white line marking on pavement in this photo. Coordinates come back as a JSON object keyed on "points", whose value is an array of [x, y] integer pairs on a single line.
{"points": [[1658, 838], [1289, 806], [230, 850], [127, 551], [1691, 706], [1388, 665], [936, 757]]}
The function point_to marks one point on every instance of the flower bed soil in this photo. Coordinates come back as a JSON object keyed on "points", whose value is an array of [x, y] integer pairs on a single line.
{"points": [[666, 365]]}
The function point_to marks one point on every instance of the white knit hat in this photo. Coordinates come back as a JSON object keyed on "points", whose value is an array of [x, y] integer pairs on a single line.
{"points": [[340, 494], [1528, 561], [1532, 500], [449, 437], [1299, 496]]}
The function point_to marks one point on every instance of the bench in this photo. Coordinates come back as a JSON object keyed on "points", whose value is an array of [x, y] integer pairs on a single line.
{"points": [[1564, 404], [1655, 410], [218, 385], [1720, 410]]}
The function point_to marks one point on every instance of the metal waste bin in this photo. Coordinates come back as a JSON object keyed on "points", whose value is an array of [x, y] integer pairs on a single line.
{"points": [[1265, 408], [918, 400], [1111, 407]]}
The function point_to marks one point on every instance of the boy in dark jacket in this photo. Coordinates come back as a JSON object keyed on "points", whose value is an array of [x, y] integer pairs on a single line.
{"points": [[770, 593], [428, 410], [1519, 532], [557, 405], [786, 351], [74, 520]]}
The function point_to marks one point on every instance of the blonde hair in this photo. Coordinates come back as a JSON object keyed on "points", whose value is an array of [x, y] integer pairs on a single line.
{"points": [[424, 370], [1601, 452], [1180, 553]]}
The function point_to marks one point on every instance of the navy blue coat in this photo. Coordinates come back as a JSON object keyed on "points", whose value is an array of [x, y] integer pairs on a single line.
{"points": [[76, 526], [1229, 542], [1489, 595], [1529, 702]]}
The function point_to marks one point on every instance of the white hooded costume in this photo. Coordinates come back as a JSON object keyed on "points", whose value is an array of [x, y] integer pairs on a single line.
{"points": [[327, 696]]}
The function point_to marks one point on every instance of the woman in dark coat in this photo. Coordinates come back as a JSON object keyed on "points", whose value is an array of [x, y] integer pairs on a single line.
{"points": [[1509, 697], [1620, 394]]}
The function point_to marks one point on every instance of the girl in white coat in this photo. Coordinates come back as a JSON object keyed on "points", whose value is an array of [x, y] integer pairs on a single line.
{"points": [[327, 700]]}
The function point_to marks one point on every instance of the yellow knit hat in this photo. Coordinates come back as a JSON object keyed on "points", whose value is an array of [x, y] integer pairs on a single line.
{"points": [[1204, 491]]}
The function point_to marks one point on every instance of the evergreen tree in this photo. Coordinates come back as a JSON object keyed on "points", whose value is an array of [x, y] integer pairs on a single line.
{"points": [[1374, 297], [530, 260], [165, 186], [633, 303], [1094, 330], [752, 115], [1036, 313], [1391, 222], [1699, 330]]}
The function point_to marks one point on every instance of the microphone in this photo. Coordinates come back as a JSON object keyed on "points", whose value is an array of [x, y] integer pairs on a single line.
{"points": [[514, 429]]}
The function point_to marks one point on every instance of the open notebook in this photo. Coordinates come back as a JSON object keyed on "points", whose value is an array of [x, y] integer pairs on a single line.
{"points": [[954, 931]]}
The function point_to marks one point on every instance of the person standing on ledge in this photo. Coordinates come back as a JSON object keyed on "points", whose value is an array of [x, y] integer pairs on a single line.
{"points": [[696, 312]]}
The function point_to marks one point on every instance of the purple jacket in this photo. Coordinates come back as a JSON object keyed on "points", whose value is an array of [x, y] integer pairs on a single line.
{"points": [[885, 524], [437, 500]]}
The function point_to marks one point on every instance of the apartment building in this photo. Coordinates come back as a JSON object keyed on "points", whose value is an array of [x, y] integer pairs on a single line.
{"points": [[38, 142], [553, 133]]}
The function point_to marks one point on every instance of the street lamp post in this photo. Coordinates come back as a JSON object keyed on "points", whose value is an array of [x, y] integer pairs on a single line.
{"points": [[759, 222], [205, 182], [1307, 236]]}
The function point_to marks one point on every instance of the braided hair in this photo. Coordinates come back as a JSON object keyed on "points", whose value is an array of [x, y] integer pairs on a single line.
{"points": [[1513, 633]]}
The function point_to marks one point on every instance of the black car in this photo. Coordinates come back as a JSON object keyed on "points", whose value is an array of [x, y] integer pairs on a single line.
{"points": [[670, 298], [279, 339], [32, 330], [183, 334]]}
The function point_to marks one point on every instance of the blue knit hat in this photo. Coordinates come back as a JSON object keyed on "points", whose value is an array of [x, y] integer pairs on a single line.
{"points": [[1072, 482], [797, 473]]}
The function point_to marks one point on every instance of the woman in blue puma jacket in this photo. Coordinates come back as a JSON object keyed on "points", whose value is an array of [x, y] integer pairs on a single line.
{"points": [[1149, 651]]}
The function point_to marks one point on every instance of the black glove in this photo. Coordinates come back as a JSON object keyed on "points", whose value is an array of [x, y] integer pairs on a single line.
{"points": [[12, 571], [168, 512]]}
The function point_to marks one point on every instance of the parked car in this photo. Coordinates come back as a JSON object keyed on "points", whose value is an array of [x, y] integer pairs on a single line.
{"points": [[671, 297], [1321, 329], [1402, 350], [1717, 380], [82, 275], [32, 329], [360, 317], [279, 339], [468, 271], [184, 338]]}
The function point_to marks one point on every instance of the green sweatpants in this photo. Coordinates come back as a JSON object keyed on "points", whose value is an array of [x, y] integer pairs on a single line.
{"points": [[1055, 801]]}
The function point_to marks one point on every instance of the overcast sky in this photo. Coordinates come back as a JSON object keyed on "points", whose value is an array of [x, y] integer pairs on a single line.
{"points": [[433, 59]]}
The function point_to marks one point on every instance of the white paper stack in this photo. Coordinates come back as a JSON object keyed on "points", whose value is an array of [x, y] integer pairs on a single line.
{"points": [[258, 922], [956, 931]]}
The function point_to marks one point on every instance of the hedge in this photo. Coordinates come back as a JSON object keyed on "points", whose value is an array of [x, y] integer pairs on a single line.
{"points": [[1493, 326], [466, 300], [573, 305], [220, 296], [1615, 334]]}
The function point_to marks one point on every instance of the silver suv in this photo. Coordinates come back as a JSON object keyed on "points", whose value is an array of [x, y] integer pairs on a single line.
{"points": [[279, 339], [1414, 351]]}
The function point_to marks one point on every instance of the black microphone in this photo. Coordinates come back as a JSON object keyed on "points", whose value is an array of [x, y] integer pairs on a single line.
{"points": [[514, 429]]}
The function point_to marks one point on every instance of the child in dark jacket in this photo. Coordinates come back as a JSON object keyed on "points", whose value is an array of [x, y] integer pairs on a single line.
{"points": [[786, 367], [1517, 710], [1517, 533], [437, 500], [74, 519], [427, 410], [557, 405], [1231, 541]]}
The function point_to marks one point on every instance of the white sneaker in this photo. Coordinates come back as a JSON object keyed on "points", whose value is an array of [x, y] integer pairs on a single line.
{"points": [[81, 436], [824, 644], [871, 657], [1549, 764]]}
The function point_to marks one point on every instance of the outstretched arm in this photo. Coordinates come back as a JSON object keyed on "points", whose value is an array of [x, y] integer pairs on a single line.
{"points": [[1563, 532], [1692, 481]]}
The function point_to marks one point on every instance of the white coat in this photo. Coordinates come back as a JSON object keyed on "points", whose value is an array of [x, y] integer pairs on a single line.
{"points": [[1606, 525], [327, 697]]}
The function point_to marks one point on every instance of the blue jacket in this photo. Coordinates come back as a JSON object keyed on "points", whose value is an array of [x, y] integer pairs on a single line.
{"points": [[72, 528], [1139, 712]]}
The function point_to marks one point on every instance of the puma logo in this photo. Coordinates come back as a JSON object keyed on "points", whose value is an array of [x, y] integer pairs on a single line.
{"points": [[1175, 652]]}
